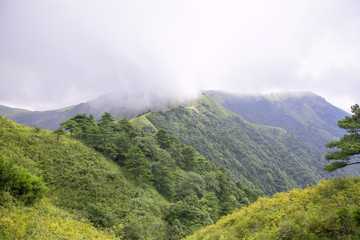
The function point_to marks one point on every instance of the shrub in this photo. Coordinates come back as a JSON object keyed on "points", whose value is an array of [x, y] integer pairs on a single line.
{"points": [[20, 183]]}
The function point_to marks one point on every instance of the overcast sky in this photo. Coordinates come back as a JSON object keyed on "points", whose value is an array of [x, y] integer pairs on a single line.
{"points": [[62, 52]]}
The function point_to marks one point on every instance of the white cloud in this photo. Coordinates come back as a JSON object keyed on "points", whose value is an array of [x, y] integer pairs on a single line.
{"points": [[56, 53]]}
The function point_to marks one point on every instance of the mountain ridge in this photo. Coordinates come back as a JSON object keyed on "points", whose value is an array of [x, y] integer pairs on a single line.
{"points": [[272, 160], [305, 114], [119, 106]]}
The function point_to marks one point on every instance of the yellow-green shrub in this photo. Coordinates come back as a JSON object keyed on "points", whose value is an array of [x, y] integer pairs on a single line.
{"points": [[329, 210], [43, 221]]}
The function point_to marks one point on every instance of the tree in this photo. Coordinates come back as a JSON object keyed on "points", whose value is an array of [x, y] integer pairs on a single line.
{"points": [[164, 180], [189, 159], [58, 132], [102, 136], [124, 125], [226, 199], [137, 164], [348, 147], [83, 122], [70, 125], [102, 139], [106, 119], [163, 138]]}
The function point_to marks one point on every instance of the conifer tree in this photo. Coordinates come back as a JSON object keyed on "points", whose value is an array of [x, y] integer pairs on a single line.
{"points": [[137, 164], [106, 119], [164, 178], [189, 159], [348, 147], [59, 132], [163, 139], [70, 125]]}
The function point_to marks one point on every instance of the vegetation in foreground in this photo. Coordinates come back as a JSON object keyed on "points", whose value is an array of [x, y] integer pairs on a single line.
{"points": [[43, 220], [330, 210], [134, 186]]}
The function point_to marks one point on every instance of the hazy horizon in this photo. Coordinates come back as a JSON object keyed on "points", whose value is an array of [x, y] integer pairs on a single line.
{"points": [[60, 53]]}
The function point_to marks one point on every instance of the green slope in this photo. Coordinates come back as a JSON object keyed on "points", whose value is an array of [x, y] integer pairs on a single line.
{"points": [[149, 186], [330, 210], [84, 183], [264, 158], [305, 114], [43, 221]]}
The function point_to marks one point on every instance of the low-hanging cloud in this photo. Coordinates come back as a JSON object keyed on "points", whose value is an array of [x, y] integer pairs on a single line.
{"points": [[57, 53]]}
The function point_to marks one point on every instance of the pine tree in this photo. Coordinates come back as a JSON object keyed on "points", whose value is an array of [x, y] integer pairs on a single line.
{"points": [[70, 125], [58, 132], [163, 139], [164, 179], [137, 164], [348, 147]]}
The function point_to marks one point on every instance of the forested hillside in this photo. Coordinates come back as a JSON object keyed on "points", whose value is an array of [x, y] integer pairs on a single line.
{"points": [[305, 114], [126, 183], [265, 158], [330, 210]]}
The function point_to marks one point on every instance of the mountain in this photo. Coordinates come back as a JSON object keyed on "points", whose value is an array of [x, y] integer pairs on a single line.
{"points": [[266, 158], [126, 183], [305, 114], [119, 106], [330, 210]]}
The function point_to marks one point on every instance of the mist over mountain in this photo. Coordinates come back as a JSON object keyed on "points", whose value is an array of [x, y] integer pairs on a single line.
{"points": [[119, 105], [59, 53], [122, 143]]}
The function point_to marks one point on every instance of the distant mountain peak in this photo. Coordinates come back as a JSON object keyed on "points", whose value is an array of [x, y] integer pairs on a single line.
{"points": [[280, 96]]}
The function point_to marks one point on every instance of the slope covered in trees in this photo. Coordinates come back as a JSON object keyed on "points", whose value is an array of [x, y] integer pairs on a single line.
{"points": [[330, 210], [83, 182], [127, 184], [305, 114], [264, 158]]}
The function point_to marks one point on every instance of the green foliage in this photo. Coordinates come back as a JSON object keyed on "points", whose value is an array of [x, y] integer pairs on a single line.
{"points": [[71, 125], [308, 116], [163, 139], [187, 216], [226, 199], [59, 132], [175, 170], [257, 156], [137, 164], [348, 147], [45, 221], [20, 183], [163, 178], [85, 183], [189, 159], [329, 210]]}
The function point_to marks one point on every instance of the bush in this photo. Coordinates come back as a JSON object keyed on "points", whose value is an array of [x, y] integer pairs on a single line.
{"points": [[20, 183]]}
